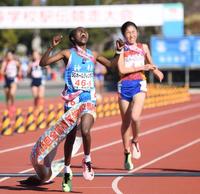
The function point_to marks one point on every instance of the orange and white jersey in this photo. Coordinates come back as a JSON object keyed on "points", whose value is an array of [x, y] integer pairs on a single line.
{"points": [[11, 69], [134, 56]]}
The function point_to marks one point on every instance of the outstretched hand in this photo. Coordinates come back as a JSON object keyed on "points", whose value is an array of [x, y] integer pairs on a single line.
{"points": [[119, 44], [56, 40]]}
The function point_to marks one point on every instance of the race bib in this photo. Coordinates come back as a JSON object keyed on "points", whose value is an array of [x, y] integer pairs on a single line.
{"points": [[36, 72], [11, 71], [134, 61], [82, 81]]}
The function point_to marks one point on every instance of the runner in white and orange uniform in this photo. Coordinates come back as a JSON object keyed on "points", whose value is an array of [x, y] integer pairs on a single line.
{"points": [[37, 79], [11, 70], [134, 60]]}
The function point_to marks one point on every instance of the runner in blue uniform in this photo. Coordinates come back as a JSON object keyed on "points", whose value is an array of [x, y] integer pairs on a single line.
{"points": [[79, 89]]}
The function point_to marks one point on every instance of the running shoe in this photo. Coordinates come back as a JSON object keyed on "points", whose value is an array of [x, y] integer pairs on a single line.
{"points": [[88, 172], [128, 165], [136, 150], [67, 182]]}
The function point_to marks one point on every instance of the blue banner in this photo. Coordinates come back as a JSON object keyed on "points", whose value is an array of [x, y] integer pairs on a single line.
{"points": [[195, 51], [171, 52]]}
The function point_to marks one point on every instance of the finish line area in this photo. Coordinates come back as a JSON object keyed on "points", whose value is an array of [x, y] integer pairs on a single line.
{"points": [[170, 143], [139, 174]]}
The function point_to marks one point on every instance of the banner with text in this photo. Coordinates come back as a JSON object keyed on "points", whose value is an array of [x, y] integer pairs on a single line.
{"points": [[176, 52], [87, 16]]}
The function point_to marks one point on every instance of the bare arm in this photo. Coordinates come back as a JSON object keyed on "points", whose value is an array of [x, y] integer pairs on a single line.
{"points": [[120, 60], [101, 59], [47, 59], [103, 70], [3, 67], [110, 63]]}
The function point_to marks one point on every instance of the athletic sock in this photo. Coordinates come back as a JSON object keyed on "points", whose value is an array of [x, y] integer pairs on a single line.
{"points": [[87, 158], [67, 169]]}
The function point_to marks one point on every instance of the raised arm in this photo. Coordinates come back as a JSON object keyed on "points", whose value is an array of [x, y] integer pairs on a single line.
{"points": [[103, 60], [47, 59], [113, 62]]}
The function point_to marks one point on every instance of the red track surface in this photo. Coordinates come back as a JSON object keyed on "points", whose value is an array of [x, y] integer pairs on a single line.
{"points": [[169, 140]]}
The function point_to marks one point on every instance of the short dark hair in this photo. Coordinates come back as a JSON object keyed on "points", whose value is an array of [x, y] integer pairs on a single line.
{"points": [[72, 34], [126, 25]]}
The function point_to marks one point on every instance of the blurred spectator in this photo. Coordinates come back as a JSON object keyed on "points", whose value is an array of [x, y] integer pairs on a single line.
{"points": [[38, 79], [11, 70], [24, 61]]}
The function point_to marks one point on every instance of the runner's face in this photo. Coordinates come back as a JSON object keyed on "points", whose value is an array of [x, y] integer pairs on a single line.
{"points": [[36, 55], [81, 36], [131, 34], [9, 56]]}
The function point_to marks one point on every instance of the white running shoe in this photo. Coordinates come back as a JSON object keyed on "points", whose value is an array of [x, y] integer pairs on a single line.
{"points": [[88, 172], [136, 150]]}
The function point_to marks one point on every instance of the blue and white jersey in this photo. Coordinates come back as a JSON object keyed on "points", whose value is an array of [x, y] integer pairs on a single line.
{"points": [[79, 78], [79, 73]]}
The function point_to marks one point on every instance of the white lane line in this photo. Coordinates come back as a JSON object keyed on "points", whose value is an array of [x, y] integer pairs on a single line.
{"points": [[92, 187], [116, 180], [170, 125], [21, 172], [149, 116], [169, 111], [16, 148], [152, 115], [150, 131], [119, 141]]}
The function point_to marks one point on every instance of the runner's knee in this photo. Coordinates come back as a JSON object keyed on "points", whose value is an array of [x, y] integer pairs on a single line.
{"points": [[135, 118]]}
